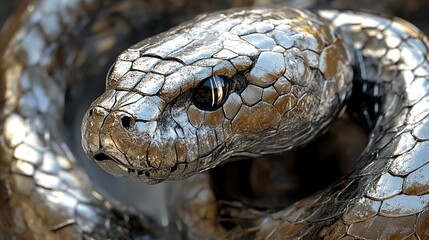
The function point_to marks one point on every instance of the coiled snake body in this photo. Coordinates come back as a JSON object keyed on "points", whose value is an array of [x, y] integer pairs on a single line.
{"points": [[242, 82]]}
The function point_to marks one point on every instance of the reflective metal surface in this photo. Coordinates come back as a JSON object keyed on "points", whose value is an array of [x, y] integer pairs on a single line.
{"points": [[289, 71], [168, 137]]}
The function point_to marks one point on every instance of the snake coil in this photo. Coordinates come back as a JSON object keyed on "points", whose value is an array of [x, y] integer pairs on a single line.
{"points": [[236, 83]]}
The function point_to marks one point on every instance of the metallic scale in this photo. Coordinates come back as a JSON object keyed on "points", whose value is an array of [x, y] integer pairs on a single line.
{"points": [[236, 83]]}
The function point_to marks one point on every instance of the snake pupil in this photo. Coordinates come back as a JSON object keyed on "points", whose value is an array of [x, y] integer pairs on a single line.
{"points": [[210, 93]]}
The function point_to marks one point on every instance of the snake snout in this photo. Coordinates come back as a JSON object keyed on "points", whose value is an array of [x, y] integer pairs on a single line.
{"points": [[91, 124]]}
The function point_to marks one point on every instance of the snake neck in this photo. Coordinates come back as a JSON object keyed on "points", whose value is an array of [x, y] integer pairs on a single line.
{"points": [[388, 187], [391, 59]]}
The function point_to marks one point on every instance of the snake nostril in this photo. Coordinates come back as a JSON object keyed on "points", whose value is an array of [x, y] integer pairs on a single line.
{"points": [[126, 122], [91, 111]]}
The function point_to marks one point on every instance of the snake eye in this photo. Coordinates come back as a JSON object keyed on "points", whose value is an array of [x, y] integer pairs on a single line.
{"points": [[210, 93]]}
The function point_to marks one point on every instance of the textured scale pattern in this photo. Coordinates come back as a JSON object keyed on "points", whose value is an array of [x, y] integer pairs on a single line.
{"points": [[44, 193], [283, 83], [290, 70]]}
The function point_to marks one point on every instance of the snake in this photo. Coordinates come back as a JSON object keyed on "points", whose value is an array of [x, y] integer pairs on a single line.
{"points": [[238, 83]]}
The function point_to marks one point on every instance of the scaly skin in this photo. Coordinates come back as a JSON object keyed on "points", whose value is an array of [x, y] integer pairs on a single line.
{"points": [[44, 191], [291, 71], [386, 194], [46, 195], [281, 90]]}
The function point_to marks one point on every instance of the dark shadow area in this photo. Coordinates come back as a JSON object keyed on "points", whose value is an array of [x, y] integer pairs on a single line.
{"points": [[276, 181]]}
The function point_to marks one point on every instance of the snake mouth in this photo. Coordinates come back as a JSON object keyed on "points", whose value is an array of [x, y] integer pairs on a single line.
{"points": [[119, 169], [110, 164], [102, 157]]}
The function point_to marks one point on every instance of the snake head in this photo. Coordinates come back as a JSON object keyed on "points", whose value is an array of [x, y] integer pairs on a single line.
{"points": [[237, 83]]}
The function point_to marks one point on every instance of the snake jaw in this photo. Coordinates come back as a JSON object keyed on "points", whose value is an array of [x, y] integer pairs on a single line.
{"points": [[110, 165], [118, 169]]}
